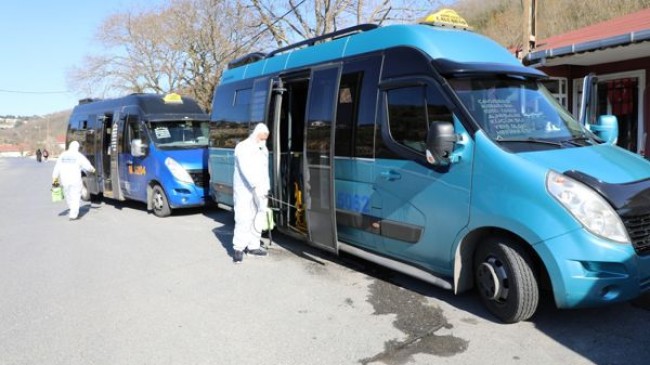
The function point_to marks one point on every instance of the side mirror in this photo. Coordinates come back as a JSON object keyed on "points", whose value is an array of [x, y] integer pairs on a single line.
{"points": [[606, 128], [588, 102], [138, 149], [441, 141]]}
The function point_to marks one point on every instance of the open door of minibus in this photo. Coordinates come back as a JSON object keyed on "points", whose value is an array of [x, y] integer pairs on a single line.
{"points": [[318, 167], [112, 179]]}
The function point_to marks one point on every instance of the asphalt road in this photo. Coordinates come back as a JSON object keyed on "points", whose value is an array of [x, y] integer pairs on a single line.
{"points": [[121, 286]]}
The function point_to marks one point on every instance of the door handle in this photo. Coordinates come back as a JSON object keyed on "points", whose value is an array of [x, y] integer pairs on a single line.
{"points": [[391, 175]]}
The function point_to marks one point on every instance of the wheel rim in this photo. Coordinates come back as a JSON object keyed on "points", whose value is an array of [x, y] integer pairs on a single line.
{"points": [[158, 201], [492, 280]]}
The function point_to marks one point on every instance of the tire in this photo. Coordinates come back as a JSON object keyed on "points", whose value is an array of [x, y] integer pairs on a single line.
{"points": [[159, 202], [505, 280]]}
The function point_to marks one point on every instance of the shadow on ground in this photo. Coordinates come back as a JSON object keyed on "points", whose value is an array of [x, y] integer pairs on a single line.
{"points": [[606, 335]]}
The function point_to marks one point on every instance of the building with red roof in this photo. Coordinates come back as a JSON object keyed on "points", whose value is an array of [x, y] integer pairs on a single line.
{"points": [[618, 52], [11, 150]]}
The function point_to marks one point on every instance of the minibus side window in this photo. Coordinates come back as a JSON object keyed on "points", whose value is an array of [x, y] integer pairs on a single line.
{"points": [[403, 61], [230, 114], [411, 110], [259, 100], [133, 131], [243, 98], [88, 146], [348, 100], [320, 114], [357, 105], [437, 109], [407, 117]]}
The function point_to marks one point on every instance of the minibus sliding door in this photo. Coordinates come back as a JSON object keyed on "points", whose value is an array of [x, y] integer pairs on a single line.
{"points": [[117, 129], [318, 168], [105, 153]]}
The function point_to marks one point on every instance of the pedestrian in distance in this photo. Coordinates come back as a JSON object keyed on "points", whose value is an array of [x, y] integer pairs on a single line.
{"points": [[251, 184], [39, 154], [67, 172], [45, 154]]}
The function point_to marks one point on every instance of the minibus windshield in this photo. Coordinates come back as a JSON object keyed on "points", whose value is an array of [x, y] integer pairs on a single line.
{"points": [[519, 110], [179, 134]]}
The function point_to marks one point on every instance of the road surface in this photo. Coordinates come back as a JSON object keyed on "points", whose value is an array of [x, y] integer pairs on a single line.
{"points": [[121, 286]]}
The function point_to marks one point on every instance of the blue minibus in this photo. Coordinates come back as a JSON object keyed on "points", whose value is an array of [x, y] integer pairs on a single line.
{"points": [[431, 150], [145, 147]]}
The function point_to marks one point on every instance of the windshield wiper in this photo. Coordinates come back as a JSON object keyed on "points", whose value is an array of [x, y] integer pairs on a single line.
{"points": [[582, 140], [528, 140]]}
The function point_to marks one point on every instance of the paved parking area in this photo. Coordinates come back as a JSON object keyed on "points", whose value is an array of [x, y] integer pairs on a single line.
{"points": [[121, 286]]}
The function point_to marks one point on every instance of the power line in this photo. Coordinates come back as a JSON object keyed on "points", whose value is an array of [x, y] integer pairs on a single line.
{"points": [[32, 92], [267, 27]]}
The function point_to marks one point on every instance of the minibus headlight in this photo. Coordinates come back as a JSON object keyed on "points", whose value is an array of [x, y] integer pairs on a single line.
{"points": [[589, 208], [177, 170]]}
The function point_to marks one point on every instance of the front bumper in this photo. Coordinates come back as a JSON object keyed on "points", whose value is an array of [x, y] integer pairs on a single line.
{"points": [[586, 270], [185, 196]]}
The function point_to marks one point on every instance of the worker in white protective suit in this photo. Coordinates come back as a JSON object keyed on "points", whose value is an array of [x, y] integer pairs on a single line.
{"points": [[67, 172], [251, 186]]}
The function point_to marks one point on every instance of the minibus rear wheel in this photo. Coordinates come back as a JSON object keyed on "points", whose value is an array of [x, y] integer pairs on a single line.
{"points": [[159, 202], [505, 279]]}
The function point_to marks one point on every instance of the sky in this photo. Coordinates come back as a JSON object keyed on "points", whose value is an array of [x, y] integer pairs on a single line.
{"points": [[41, 41]]}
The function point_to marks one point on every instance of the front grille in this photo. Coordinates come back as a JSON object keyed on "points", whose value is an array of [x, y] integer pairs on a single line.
{"points": [[200, 177], [639, 230]]}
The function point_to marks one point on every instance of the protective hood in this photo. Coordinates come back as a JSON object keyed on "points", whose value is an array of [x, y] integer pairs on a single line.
{"points": [[74, 146], [260, 128]]}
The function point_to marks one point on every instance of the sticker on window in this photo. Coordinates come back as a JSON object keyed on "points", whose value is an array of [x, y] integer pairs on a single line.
{"points": [[162, 132]]}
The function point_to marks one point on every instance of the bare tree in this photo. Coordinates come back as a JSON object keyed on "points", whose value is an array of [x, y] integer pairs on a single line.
{"points": [[295, 20], [210, 33], [180, 47]]}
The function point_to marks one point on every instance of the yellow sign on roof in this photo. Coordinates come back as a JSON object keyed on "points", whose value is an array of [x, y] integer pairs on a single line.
{"points": [[446, 17], [173, 98]]}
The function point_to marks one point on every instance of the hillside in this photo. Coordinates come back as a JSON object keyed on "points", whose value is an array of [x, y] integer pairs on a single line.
{"points": [[502, 20], [37, 131]]}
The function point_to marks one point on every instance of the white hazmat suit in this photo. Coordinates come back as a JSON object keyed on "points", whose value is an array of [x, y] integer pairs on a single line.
{"points": [[68, 172], [251, 185]]}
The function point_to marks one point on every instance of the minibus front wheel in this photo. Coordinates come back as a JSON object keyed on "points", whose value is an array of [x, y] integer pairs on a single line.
{"points": [[505, 279], [159, 202]]}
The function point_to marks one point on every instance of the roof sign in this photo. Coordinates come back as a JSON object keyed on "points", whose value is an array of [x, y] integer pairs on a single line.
{"points": [[446, 18], [173, 98]]}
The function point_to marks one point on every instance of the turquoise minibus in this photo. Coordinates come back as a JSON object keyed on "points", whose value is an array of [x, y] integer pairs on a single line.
{"points": [[431, 150]]}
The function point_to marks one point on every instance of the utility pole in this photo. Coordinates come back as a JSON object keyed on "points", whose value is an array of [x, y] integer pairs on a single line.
{"points": [[530, 27]]}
